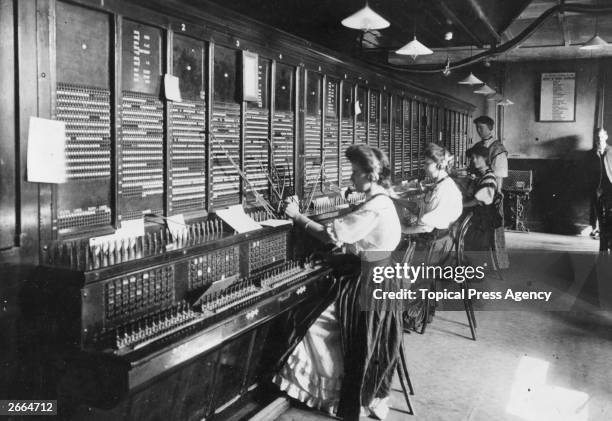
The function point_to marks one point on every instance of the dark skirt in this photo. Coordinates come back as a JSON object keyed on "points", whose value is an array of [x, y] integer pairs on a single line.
{"points": [[486, 234], [430, 251], [371, 333], [371, 337]]}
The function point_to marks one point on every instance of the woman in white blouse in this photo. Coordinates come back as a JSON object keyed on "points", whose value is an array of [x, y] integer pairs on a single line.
{"points": [[442, 204], [345, 363]]}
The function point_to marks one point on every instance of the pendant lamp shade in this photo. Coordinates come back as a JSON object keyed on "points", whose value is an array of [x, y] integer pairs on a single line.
{"points": [[485, 90], [414, 48], [365, 20], [595, 43], [471, 80], [505, 102]]}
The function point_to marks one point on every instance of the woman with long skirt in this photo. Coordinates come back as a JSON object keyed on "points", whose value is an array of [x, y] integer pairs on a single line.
{"points": [[344, 365]]}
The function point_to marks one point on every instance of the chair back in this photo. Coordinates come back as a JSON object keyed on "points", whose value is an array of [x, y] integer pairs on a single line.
{"points": [[461, 227]]}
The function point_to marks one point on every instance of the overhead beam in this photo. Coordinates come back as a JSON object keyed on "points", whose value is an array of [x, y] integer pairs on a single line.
{"points": [[563, 24], [449, 14], [573, 52], [484, 19]]}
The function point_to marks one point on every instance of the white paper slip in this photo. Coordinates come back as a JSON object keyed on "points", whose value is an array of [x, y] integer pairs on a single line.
{"points": [[176, 224], [275, 222], [235, 217], [131, 228], [46, 151], [171, 88]]}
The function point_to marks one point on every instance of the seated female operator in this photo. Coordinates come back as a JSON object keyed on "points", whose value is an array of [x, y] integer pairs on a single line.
{"points": [[345, 363], [442, 204]]}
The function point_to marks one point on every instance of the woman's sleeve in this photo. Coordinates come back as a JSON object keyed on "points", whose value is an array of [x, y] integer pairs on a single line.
{"points": [[433, 216], [352, 227], [485, 194]]}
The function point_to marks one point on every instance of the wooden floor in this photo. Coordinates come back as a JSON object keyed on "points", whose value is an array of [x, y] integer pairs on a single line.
{"points": [[531, 361], [550, 242]]}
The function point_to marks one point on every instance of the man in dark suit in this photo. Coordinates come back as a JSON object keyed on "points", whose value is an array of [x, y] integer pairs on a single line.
{"points": [[603, 192]]}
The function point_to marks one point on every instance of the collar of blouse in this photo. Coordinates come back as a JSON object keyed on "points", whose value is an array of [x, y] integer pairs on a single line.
{"points": [[375, 189]]}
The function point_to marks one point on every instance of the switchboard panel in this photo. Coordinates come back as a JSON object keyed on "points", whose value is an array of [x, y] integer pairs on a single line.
{"points": [[346, 136], [130, 296], [312, 134], [257, 137], [83, 102], [385, 129], [226, 127], [398, 138], [141, 147], [411, 153], [216, 265], [330, 168], [446, 138], [453, 143], [422, 131], [429, 123], [283, 141], [407, 115], [188, 151], [373, 118], [361, 115]]}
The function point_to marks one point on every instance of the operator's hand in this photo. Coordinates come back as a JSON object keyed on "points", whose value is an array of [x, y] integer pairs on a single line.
{"points": [[291, 208]]}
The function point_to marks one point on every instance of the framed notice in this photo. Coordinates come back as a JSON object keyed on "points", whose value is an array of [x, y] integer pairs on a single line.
{"points": [[250, 76], [558, 97]]}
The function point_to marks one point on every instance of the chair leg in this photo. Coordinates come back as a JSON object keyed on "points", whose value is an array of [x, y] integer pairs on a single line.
{"points": [[432, 287], [426, 316], [471, 305], [494, 259], [466, 305], [469, 317], [405, 368], [406, 396]]}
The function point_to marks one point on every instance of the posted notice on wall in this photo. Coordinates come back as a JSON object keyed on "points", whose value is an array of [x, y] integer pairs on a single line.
{"points": [[46, 151], [557, 97]]}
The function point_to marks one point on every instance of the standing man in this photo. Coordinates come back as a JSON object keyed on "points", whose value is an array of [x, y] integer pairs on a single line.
{"points": [[604, 192], [498, 155], [498, 161]]}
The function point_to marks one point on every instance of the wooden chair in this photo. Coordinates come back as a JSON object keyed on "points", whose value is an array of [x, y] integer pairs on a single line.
{"points": [[462, 226], [457, 231], [404, 379]]}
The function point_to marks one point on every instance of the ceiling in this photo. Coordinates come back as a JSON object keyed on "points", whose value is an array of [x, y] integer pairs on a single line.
{"points": [[477, 25]]}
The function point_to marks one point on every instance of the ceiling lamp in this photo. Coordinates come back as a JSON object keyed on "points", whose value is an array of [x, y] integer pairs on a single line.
{"points": [[414, 48], [595, 43], [485, 90], [505, 102], [471, 80], [365, 20]]}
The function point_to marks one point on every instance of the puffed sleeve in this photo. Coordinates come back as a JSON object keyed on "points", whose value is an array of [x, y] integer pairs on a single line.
{"points": [[500, 165], [352, 227], [485, 194], [433, 211]]}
